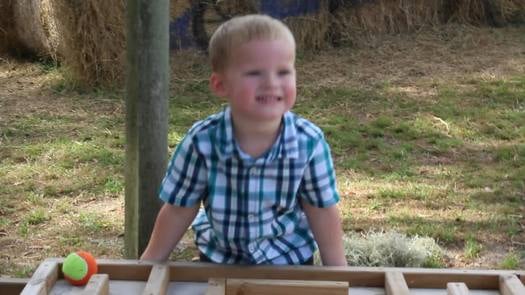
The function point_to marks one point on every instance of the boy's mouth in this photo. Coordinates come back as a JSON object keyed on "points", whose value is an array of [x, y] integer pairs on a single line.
{"points": [[267, 98]]}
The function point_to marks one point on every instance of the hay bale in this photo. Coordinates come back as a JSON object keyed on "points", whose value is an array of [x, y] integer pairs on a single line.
{"points": [[486, 12], [35, 26], [8, 40], [311, 31], [94, 41], [94, 38], [357, 19]]}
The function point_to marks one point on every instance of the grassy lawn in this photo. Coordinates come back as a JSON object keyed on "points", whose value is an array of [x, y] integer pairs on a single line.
{"points": [[427, 131]]}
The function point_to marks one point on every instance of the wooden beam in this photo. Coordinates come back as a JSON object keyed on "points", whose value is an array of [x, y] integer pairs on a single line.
{"points": [[158, 280], [12, 286], [284, 287], [98, 284], [119, 269], [43, 279], [457, 289], [395, 284], [216, 286], [510, 285]]}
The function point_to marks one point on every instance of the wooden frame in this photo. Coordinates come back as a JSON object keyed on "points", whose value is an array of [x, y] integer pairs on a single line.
{"points": [[157, 277]]}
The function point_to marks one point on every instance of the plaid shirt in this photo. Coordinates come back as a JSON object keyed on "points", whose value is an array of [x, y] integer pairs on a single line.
{"points": [[252, 213]]}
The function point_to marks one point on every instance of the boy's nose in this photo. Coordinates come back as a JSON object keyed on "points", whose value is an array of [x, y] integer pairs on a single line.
{"points": [[271, 80]]}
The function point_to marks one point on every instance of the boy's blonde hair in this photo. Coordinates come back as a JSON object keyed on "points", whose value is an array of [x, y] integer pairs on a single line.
{"points": [[242, 29]]}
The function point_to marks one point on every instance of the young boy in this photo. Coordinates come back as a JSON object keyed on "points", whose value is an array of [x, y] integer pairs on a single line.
{"points": [[264, 175]]}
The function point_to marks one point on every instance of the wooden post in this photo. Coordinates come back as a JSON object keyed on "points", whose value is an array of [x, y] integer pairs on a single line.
{"points": [[146, 117]]}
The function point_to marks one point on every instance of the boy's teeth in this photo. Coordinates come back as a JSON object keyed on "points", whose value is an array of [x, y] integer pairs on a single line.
{"points": [[268, 98]]}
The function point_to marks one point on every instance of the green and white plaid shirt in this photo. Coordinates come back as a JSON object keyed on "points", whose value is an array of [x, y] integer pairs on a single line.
{"points": [[252, 211]]}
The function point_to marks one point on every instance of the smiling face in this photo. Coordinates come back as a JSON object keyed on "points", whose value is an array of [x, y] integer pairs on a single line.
{"points": [[259, 80]]}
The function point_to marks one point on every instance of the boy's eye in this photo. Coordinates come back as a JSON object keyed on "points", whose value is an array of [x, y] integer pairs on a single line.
{"points": [[253, 73], [284, 72]]}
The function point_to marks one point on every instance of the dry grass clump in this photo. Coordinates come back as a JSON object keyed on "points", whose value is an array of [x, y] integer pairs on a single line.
{"points": [[93, 33], [391, 249]]}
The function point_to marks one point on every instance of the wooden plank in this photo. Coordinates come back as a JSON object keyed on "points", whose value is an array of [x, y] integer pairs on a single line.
{"points": [[98, 284], [43, 279], [457, 288], [216, 286], [284, 287], [11, 286], [158, 280], [510, 285], [395, 284], [439, 279], [119, 269]]}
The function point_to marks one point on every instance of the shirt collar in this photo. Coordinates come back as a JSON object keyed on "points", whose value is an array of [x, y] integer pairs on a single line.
{"points": [[287, 145]]}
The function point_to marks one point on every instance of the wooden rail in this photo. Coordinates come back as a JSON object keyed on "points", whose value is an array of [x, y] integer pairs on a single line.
{"points": [[306, 280]]}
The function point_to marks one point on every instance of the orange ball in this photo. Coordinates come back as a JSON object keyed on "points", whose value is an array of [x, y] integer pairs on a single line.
{"points": [[78, 267]]}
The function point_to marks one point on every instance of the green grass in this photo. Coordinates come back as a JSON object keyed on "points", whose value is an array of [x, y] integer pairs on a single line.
{"points": [[472, 248], [510, 261]]}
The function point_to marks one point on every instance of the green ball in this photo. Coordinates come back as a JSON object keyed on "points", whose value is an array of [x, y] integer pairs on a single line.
{"points": [[75, 266]]}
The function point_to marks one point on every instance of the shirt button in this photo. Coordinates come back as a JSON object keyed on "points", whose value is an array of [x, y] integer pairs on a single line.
{"points": [[254, 171], [251, 248]]}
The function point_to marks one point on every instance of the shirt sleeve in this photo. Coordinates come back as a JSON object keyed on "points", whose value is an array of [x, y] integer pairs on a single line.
{"points": [[184, 184], [318, 186]]}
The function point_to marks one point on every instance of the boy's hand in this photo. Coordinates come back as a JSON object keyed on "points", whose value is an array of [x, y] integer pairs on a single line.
{"points": [[170, 225], [326, 227]]}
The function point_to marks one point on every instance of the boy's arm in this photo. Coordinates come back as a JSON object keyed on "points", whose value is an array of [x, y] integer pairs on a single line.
{"points": [[328, 233], [170, 225]]}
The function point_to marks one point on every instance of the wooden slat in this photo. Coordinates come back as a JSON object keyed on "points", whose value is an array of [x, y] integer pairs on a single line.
{"points": [[43, 279], [158, 280], [216, 286], [511, 285], [395, 284], [356, 276], [98, 284], [11, 286], [284, 287], [457, 288]]}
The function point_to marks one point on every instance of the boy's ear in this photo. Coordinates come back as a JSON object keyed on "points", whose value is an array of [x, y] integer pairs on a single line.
{"points": [[217, 84]]}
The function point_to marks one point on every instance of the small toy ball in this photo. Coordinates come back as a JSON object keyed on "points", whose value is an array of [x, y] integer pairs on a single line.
{"points": [[78, 268]]}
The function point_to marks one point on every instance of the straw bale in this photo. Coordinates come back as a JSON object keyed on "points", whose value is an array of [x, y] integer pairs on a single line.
{"points": [[385, 17], [311, 31], [35, 26], [491, 12], [8, 40], [94, 40]]}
